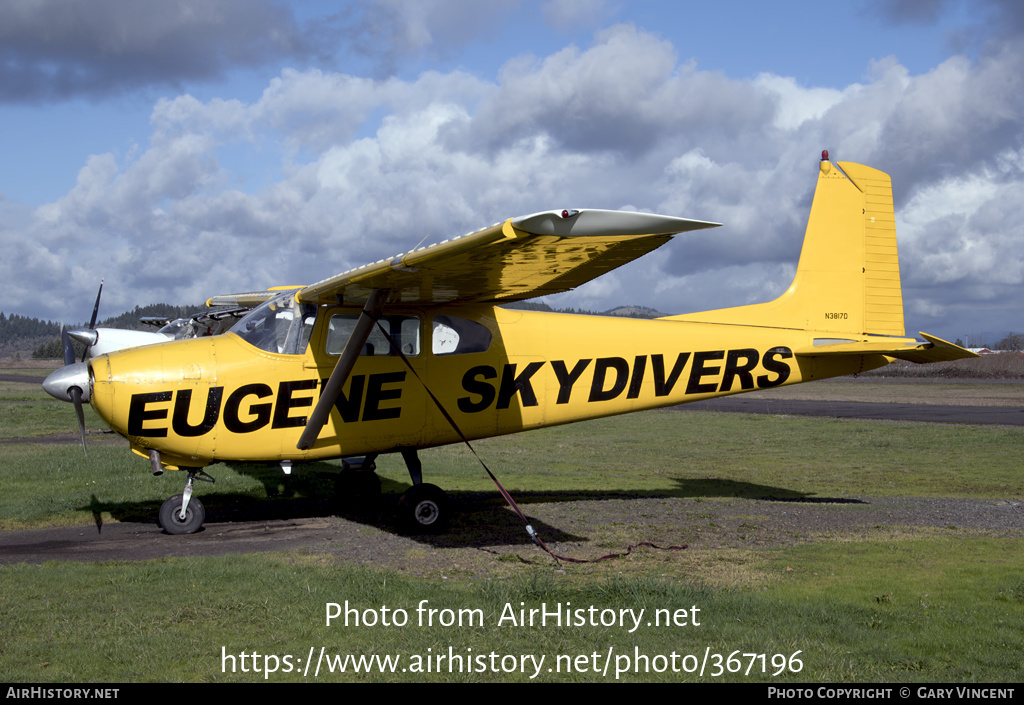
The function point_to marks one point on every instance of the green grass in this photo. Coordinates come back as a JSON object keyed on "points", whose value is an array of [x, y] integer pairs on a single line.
{"points": [[41, 417], [674, 454], [885, 605], [914, 611]]}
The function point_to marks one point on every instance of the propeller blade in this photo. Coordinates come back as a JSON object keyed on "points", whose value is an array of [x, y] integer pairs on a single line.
{"points": [[92, 322], [76, 397], [96, 308], [69, 349], [74, 392]]}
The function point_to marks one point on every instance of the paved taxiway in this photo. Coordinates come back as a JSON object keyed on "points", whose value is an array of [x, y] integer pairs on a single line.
{"points": [[925, 413]]}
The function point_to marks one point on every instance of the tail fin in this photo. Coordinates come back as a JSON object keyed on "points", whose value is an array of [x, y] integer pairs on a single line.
{"points": [[848, 278]]}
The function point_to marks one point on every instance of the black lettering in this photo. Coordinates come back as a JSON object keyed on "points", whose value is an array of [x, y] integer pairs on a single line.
{"points": [[698, 370], [770, 363], [601, 367], [348, 406], [137, 414], [567, 379], [259, 412], [182, 402], [511, 384], [474, 386], [662, 386], [285, 403], [635, 384], [733, 369], [375, 394]]}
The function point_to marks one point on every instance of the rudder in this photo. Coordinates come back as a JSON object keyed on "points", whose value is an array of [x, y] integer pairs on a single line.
{"points": [[848, 277]]}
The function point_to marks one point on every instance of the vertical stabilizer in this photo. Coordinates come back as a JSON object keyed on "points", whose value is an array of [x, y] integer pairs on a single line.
{"points": [[848, 278]]}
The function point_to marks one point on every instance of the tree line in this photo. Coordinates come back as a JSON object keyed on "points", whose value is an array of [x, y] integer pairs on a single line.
{"points": [[20, 334]]}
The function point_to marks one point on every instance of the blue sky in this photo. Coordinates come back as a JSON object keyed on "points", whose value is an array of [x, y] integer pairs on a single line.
{"points": [[195, 147]]}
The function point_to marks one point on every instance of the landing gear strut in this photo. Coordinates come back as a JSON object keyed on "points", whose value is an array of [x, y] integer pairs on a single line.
{"points": [[183, 513], [358, 487]]}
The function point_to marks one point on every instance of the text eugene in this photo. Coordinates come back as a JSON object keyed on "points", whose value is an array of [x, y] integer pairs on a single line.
{"points": [[373, 397], [554, 615]]}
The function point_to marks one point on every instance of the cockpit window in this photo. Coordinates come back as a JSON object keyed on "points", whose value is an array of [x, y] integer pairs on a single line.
{"points": [[176, 329], [457, 336], [280, 325], [404, 330], [184, 328]]}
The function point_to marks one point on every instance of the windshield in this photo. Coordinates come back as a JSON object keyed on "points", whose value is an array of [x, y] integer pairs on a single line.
{"points": [[280, 325], [176, 329]]}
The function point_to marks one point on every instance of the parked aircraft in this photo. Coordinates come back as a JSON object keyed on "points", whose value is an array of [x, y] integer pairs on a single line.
{"points": [[101, 341], [416, 351]]}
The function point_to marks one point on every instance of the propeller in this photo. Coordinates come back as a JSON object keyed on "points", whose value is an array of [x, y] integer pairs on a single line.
{"points": [[92, 321], [89, 336], [74, 391], [71, 382]]}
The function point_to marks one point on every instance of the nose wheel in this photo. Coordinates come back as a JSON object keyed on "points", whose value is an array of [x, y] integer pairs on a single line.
{"points": [[183, 513], [170, 518]]}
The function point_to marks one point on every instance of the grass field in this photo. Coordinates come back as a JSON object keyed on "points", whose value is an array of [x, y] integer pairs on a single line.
{"points": [[885, 603]]}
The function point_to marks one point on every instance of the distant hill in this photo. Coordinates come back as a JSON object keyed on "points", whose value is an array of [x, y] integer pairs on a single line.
{"points": [[130, 319], [624, 311], [635, 312]]}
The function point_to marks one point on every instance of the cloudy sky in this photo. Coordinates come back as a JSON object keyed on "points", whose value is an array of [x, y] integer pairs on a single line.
{"points": [[186, 148]]}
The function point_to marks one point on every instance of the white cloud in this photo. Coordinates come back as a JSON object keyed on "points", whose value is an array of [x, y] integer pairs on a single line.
{"points": [[795, 104], [365, 168]]}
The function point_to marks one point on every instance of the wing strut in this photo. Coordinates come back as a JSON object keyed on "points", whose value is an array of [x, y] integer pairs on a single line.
{"points": [[343, 369]]}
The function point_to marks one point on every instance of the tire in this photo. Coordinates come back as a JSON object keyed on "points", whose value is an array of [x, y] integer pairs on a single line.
{"points": [[170, 512], [424, 509]]}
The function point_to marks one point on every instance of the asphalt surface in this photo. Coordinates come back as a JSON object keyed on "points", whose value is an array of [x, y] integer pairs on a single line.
{"points": [[926, 413], [485, 531]]}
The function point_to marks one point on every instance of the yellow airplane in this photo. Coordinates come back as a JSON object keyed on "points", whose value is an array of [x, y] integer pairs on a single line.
{"points": [[342, 368]]}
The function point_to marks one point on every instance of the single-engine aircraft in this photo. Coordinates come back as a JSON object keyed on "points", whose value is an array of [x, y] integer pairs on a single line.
{"points": [[342, 368]]}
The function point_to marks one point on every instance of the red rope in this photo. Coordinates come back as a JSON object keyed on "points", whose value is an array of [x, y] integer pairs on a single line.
{"points": [[534, 536]]}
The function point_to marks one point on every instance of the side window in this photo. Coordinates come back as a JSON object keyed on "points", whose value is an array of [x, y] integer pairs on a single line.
{"points": [[457, 336], [404, 330]]}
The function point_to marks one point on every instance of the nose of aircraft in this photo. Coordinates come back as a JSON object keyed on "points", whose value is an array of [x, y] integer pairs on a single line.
{"points": [[60, 383]]}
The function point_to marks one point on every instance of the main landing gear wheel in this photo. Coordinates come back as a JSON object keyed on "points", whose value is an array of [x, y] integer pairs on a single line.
{"points": [[424, 509], [170, 515]]}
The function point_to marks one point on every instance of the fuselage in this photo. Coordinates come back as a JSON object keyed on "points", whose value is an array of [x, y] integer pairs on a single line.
{"points": [[494, 370]]}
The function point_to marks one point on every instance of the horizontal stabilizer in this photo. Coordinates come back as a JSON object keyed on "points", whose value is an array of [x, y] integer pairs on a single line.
{"points": [[934, 350], [937, 350]]}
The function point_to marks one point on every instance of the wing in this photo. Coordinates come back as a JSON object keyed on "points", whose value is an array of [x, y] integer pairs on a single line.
{"points": [[534, 255]]}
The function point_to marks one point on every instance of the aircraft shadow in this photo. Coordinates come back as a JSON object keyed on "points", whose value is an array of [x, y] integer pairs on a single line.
{"points": [[480, 518]]}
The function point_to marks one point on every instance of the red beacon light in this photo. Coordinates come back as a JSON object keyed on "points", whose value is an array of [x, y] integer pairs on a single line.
{"points": [[824, 155]]}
